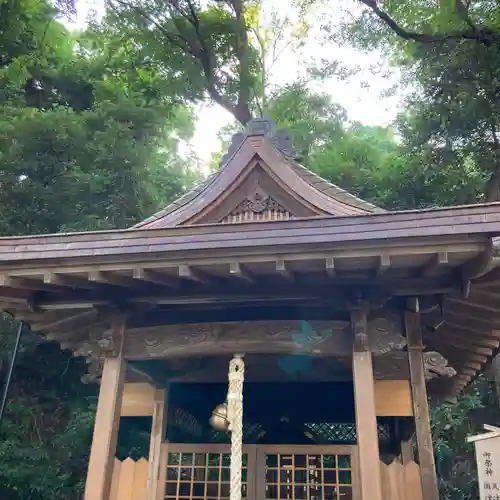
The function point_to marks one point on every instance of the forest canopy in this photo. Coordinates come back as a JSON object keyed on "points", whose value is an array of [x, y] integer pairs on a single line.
{"points": [[96, 132]]}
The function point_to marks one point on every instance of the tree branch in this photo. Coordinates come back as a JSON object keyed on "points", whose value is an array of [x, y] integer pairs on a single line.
{"points": [[483, 35], [241, 49], [463, 11], [171, 37]]}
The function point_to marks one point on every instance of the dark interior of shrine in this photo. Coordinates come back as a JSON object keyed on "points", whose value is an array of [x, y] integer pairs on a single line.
{"points": [[278, 413]]}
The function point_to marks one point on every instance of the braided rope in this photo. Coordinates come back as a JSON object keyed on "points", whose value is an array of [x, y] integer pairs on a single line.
{"points": [[235, 417]]}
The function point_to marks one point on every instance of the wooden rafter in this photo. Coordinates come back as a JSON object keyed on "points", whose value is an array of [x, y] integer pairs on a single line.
{"points": [[240, 271], [152, 276], [435, 263], [384, 264]]}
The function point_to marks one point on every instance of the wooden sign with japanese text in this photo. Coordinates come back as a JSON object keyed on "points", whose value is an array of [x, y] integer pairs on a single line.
{"points": [[488, 463]]}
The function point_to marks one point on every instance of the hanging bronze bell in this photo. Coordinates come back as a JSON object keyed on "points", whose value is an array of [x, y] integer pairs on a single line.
{"points": [[219, 420]]}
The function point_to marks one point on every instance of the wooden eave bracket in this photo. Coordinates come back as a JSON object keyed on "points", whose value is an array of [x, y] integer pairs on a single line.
{"points": [[483, 263]]}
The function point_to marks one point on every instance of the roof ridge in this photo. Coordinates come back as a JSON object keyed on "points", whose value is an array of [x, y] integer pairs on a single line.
{"points": [[280, 141]]}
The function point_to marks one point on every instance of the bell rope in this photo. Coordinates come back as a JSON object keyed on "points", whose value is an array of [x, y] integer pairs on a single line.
{"points": [[235, 417]]}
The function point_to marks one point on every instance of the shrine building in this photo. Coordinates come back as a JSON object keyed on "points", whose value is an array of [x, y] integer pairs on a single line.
{"points": [[343, 321]]}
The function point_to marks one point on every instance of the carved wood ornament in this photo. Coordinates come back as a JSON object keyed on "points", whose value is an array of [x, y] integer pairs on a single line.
{"points": [[436, 365], [104, 341], [269, 337], [385, 334], [258, 206]]}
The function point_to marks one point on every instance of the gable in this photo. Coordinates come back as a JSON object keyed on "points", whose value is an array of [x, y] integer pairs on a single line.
{"points": [[259, 181]]}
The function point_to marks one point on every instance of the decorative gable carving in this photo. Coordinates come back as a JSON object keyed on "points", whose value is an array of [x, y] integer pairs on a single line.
{"points": [[257, 206], [259, 180]]}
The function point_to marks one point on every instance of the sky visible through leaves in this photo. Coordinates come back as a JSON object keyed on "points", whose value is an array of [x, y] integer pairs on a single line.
{"points": [[367, 96]]}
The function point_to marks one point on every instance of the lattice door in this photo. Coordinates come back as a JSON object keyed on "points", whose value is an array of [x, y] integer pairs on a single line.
{"points": [[309, 473], [202, 472]]}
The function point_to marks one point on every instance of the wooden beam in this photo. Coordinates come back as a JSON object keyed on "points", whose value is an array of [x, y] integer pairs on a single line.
{"points": [[474, 336], [448, 338], [428, 475], [282, 269], [192, 274], [67, 280], [366, 419], [12, 296], [252, 337], [440, 341], [151, 276], [239, 271], [330, 267], [466, 286], [25, 283], [108, 278], [472, 365], [458, 317], [383, 265], [489, 279], [434, 263], [79, 318], [472, 309], [468, 371], [484, 299], [479, 265], [157, 436], [102, 454]]}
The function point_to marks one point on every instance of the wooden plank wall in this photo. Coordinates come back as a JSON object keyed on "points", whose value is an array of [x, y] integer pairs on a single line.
{"points": [[401, 482], [393, 398], [138, 400], [129, 480]]}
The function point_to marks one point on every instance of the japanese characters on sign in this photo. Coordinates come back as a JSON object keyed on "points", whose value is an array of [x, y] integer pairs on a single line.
{"points": [[488, 464]]}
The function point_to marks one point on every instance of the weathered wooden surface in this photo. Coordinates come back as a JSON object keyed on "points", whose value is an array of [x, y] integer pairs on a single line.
{"points": [[401, 481], [107, 421], [270, 337], [393, 398], [157, 434], [129, 480], [138, 400], [325, 338], [366, 421], [420, 407], [481, 219]]}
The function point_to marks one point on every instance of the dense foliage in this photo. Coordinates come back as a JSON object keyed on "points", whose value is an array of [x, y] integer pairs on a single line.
{"points": [[81, 147], [91, 133]]}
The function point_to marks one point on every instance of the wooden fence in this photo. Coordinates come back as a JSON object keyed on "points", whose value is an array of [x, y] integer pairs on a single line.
{"points": [[129, 479], [401, 482]]}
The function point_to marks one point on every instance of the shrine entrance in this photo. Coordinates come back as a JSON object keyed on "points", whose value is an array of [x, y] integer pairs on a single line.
{"points": [[270, 472]]}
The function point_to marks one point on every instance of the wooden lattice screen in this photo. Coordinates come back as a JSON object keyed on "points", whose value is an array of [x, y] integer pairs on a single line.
{"points": [[311, 476], [202, 472]]}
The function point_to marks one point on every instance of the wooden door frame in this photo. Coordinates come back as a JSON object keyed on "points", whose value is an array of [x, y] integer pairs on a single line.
{"points": [[166, 448], [333, 449], [257, 461]]}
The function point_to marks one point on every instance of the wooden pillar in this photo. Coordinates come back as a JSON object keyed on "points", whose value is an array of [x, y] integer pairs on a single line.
{"points": [[366, 419], [428, 475], [107, 421], [157, 436]]}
